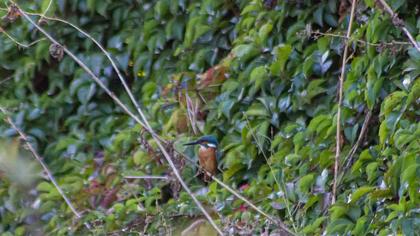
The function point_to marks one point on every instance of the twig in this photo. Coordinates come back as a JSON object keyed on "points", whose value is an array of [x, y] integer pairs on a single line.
{"points": [[19, 43], [392, 43], [340, 102], [189, 229], [146, 177], [271, 169], [6, 79], [121, 78], [348, 160], [191, 112], [399, 23], [127, 111], [48, 8], [42, 163]]}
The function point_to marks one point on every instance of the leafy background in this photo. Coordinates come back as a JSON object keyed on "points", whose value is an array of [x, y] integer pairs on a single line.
{"points": [[257, 74]]}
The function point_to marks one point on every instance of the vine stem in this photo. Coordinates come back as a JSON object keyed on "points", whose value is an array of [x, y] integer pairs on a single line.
{"points": [[340, 102], [126, 110]]}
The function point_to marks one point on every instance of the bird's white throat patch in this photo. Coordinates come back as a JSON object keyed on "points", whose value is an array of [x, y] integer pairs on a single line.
{"points": [[212, 145], [207, 145]]}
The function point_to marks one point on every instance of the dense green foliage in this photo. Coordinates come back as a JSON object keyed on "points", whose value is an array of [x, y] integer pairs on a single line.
{"points": [[254, 73]]}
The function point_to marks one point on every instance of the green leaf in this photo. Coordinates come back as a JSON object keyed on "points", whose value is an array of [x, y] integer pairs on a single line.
{"points": [[245, 51], [315, 226], [227, 174], [360, 227], [264, 31], [392, 101], [257, 109], [306, 182], [360, 192], [281, 53], [258, 76], [383, 133], [371, 170]]}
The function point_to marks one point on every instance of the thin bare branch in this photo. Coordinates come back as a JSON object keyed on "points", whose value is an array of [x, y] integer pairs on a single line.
{"points": [[259, 145], [24, 137], [392, 43], [146, 177], [340, 102], [191, 113], [349, 158], [23, 45], [48, 8], [127, 111], [114, 65], [6, 79], [399, 23]]}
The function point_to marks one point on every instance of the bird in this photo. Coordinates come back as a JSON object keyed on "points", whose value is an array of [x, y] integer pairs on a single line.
{"points": [[207, 155]]}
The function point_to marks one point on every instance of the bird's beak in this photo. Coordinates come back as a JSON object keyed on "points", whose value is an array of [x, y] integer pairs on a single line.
{"points": [[191, 143]]}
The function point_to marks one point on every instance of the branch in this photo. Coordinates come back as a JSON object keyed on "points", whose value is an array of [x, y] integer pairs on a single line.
{"points": [[127, 111], [392, 43], [399, 23], [259, 145], [121, 78], [340, 102], [6, 79], [19, 43], [146, 177], [42, 163], [349, 159]]}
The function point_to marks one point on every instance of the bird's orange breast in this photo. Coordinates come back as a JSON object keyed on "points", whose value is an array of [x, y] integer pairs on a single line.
{"points": [[207, 159]]}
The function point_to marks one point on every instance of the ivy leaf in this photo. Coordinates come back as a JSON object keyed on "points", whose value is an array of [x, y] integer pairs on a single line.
{"points": [[306, 182], [281, 53], [258, 76], [360, 192], [245, 51], [264, 31]]}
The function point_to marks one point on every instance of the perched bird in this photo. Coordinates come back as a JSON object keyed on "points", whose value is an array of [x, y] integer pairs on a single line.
{"points": [[207, 155]]}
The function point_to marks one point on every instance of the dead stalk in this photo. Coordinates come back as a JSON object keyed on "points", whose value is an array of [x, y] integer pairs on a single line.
{"points": [[340, 102]]}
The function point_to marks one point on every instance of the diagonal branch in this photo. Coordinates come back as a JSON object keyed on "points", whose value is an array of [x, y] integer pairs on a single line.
{"points": [[399, 23], [146, 177], [349, 159], [340, 102], [127, 111], [114, 65], [42, 163], [23, 45]]}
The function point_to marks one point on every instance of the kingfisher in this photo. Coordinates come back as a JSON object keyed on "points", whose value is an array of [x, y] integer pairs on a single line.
{"points": [[207, 155]]}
